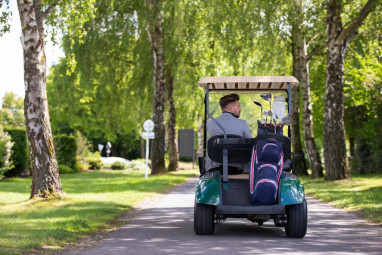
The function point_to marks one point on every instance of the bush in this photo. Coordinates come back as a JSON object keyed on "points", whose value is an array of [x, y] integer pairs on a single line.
{"points": [[137, 165], [20, 153], [118, 165], [81, 165], [5, 152], [63, 169], [83, 147], [95, 163], [66, 149]]}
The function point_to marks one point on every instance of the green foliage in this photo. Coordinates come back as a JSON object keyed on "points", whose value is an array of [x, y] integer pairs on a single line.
{"points": [[83, 150], [80, 165], [118, 165], [127, 145], [63, 169], [110, 64], [363, 102], [20, 157], [12, 101], [12, 111], [5, 16], [95, 162], [5, 152], [66, 149]]}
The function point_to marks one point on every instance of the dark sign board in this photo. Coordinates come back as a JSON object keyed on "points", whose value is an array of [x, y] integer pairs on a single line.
{"points": [[186, 142]]}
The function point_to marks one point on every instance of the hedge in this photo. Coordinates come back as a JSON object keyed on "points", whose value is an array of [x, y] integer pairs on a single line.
{"points": [[66, 148], [19, 156]]}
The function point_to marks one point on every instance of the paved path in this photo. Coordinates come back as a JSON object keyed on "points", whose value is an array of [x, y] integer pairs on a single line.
{"points": [[166, 227]]}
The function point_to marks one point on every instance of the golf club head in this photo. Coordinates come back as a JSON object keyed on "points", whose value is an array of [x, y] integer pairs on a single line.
{"points": [[257, 103], [267, 97], [285, 121]]}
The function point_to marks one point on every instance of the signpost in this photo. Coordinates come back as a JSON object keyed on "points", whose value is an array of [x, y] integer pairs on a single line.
{"points": [[148, 126], [108, 147], [100, 147]]}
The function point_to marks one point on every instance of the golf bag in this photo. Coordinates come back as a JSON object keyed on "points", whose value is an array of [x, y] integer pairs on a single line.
{"points": [[266, 166]]}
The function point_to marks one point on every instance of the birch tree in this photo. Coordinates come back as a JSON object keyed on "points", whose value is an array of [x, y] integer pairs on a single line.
{"points": [[302, 16], [338, 39], [154, 27], [33, 14]]}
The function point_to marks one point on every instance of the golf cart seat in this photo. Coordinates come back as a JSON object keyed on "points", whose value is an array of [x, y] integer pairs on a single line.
{"points": [[235, 155]]}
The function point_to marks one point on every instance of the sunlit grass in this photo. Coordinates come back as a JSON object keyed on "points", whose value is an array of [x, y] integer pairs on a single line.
{"points": [[91, 201], [361, 195]]}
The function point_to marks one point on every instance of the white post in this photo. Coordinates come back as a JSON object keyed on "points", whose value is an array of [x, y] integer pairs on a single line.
{"points": [[148, 126], [147, 157]]}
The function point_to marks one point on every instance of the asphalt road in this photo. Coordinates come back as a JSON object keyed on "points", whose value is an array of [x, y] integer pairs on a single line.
{"points": [[166, 227]]}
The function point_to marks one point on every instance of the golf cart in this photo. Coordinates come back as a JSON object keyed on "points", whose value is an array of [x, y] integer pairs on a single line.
{"points": [[228, 192]]}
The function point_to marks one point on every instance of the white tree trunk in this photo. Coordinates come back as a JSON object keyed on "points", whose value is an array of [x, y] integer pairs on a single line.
{"points": [[301, 167], [45, 182]]}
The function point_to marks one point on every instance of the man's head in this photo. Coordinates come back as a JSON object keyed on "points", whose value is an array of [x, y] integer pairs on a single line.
{"points": [[230, 103]]}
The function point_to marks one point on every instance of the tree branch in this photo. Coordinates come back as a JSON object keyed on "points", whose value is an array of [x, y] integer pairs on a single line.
{"points": [[316, 50], [351, 30], [49, 10], [311, 40]]}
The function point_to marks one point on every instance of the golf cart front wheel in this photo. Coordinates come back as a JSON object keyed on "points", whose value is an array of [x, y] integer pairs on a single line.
{"points": [[204, 220], [297, 220]]}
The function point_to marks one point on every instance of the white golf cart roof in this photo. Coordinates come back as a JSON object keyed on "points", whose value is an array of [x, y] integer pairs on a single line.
{"points": [[248, 82]]}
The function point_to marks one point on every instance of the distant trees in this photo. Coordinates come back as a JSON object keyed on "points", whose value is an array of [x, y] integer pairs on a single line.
{"points": [[132, 60]]}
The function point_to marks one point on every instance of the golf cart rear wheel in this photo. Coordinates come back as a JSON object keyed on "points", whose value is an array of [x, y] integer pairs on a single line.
{"points": [[204, 219], [297, 220]]}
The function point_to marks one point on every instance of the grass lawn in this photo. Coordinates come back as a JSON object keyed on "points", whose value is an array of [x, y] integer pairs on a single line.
{"points": [[92, 200], [361, 195]]}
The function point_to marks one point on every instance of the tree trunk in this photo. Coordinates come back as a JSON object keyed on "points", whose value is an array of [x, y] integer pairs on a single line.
{"points": [[301, 168], [336, 161], [45, 181], [307, 115], [172, 140], [154, 19]]}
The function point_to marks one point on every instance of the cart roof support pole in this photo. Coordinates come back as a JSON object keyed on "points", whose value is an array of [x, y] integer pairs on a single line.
{"points": [[225, 151]]}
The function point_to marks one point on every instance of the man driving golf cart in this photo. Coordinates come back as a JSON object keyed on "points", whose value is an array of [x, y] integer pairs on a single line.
{"points": [[271, 190], [229, 119]]}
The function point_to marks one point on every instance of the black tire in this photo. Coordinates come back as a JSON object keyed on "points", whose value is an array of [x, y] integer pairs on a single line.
{"points": [[297, 220], [204, 220]]}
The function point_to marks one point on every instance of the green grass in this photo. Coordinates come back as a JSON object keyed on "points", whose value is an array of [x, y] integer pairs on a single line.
{"points": [[91, 201], [361, 195]]}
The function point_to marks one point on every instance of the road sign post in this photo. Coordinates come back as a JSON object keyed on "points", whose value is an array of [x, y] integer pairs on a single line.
{"points": [[148, 126]]}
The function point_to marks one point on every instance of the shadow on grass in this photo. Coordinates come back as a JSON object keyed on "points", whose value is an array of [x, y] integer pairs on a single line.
{"points": [[55, 224]]}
